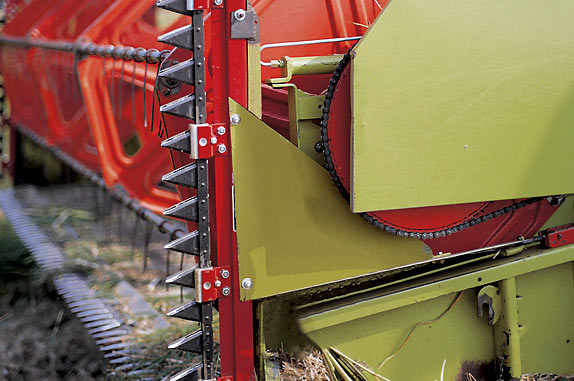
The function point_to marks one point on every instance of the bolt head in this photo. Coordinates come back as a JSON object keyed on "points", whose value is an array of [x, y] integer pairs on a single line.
{"points": [[206, 285], [221, 130], [203, 142], [239, 14], [218, 2], [235, 119], [213, 140], [217, 283], [224, 274], [226, 291], [221, 148], [247, 283]]}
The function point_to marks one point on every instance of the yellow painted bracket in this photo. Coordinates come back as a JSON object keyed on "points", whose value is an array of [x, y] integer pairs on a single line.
{"points": [[294, 230], [461, 101]]}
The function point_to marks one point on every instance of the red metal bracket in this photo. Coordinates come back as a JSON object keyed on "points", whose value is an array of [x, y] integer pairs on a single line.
{"points": [[208, 140], [559, 236], [212, 283], [207, 4]]}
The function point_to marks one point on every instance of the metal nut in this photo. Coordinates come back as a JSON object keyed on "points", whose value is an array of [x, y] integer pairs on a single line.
{"points": [[239, 15], [217, 283], [213, 140], [226, 291], [221, 148], [247, 283], [224, 274], [218, 2], [203, 142], [221, 129], [235, 119]]}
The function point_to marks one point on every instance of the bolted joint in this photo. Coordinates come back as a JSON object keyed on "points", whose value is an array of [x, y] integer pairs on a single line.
{"points": [[210, 283], [207, 140]]}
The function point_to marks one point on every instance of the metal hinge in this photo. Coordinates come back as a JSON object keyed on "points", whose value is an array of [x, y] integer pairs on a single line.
{"points": [[559, 236], [207, 140], [245, 25], [212, 283]]}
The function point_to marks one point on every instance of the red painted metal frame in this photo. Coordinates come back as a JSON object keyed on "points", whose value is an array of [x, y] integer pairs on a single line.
{"points": [[229, 73]]}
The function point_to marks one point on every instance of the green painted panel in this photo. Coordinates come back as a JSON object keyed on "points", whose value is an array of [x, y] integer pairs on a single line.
{"points": [[460, 101], [546, 316], [459, 337], [294, 230]]}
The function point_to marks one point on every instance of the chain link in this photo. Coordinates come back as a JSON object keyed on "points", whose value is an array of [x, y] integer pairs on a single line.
{"points": [[82, 49], [324, 144]]}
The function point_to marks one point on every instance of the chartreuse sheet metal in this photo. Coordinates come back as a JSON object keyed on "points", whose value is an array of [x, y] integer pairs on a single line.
{"points": [[460, 101], [372, 327], [294, 230]]}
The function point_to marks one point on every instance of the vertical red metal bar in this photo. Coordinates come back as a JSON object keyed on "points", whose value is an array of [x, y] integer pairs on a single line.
{"points": [[229, 73]]}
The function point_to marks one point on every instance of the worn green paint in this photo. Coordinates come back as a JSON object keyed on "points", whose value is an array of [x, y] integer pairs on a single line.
{"points": [[435, 286], [545, 303], [461, 101], [506, 336], [294, 230], [533, 333]]}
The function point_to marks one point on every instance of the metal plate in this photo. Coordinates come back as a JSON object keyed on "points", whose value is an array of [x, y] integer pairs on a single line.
{"points": [[293, 228], [463, 101]]}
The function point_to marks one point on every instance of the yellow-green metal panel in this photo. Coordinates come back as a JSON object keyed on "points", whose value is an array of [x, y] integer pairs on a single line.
{"points": [[294, 230], [460, 101], [460, 337], [546, 316]]}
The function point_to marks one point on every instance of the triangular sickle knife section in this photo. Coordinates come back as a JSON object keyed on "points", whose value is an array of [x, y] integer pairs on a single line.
{"points": [[183, 107], [185, 210], [179, 142], [185, 278], [189, 374], [190, 343], [189, 311], [180, 38], [188, 244], [182, 72], [186, 176], [177, 6]]}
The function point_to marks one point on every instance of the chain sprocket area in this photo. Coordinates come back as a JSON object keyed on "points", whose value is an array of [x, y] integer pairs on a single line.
{"points": [[476, 215]]}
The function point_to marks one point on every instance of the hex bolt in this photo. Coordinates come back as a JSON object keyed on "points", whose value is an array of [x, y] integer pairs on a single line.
{"points": [[213, 140], [247, 283], [224, 274], [239, 15], [218, 2], [221, 148], [221, 129], [235, 119], [206, 286], [217, 283], [226, 291], [203, 142]]}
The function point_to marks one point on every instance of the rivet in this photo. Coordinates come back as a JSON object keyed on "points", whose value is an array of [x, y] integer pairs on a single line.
{"points": [[203, 142], [218, 2], [247, 283], [235, 119], [239, 15], [206, 286]]}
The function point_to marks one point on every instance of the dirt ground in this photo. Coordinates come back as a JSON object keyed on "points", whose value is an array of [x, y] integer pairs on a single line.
{"points": [[39, 338], [42, 340]]}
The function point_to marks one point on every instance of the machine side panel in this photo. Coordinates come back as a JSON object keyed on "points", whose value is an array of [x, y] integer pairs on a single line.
{"points": [[462, 101], [293, 229]]}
